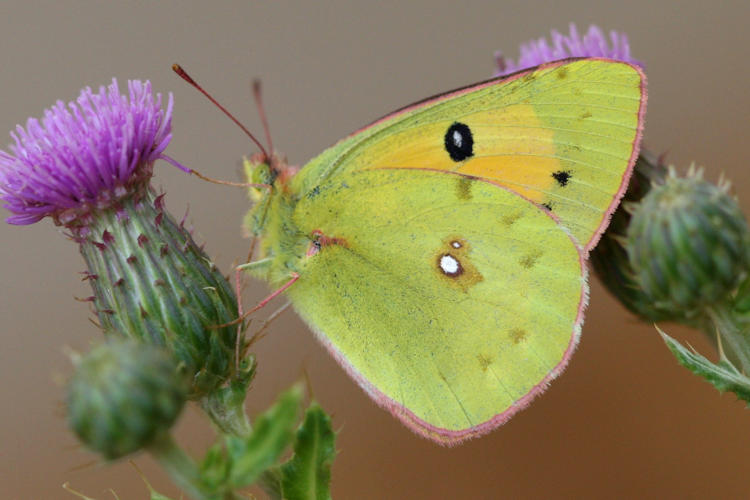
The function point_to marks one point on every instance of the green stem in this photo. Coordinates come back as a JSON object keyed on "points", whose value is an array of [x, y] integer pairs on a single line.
{"points": [[180, 467], [226, 405], [229, 416]]}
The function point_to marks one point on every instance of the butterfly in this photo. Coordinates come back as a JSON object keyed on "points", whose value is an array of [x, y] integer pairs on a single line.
{"points": [[439, 252]]}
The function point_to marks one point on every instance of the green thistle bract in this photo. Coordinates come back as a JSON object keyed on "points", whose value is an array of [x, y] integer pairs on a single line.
{"points": [[124, 394], [687, 243], [88, 167], [152, 282]]}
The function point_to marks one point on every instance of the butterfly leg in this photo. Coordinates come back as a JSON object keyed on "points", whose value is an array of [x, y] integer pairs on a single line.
{"points": [[260, 333], [293, 277]]}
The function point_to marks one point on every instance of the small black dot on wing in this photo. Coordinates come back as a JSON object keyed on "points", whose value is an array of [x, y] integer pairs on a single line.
{"points": [[562, 177]]}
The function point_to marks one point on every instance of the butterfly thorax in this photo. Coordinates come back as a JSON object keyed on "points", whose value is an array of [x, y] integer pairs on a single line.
{"points": [[281, 245]]}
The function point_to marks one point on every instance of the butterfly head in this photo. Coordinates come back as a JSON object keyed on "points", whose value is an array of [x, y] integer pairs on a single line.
{"points": [[267, 170]]}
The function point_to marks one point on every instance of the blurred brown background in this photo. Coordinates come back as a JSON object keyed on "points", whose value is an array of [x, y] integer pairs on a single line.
{"points": [[624, 420]]}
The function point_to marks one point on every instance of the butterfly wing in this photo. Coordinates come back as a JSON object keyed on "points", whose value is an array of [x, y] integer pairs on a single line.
{"points": [[564, 135], [451, 300]]}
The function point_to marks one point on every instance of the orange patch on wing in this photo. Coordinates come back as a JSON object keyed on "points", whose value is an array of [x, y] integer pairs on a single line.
{"points": [[513, 148]]}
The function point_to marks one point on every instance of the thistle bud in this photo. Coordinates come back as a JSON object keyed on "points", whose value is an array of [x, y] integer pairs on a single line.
{"points": [[88, 167], [688, 244], [122, 395], [610, 259]]}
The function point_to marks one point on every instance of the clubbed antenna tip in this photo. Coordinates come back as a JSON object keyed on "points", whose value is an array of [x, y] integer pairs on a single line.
{"points": [[185, 76]]}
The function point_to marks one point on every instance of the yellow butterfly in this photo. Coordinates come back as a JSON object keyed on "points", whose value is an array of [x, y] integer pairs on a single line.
{"points": [[439, 253]]}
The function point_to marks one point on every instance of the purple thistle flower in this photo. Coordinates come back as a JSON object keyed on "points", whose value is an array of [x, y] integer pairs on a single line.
{"points": [[88, 166], [593, 44], [88, 154]]}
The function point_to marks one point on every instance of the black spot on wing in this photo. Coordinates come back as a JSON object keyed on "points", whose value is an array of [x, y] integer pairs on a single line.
{"points": [[459, 142], [562, 177]]}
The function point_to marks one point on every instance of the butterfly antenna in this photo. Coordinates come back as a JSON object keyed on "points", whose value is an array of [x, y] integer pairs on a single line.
{"points": [[183, 74], [257, 94]]}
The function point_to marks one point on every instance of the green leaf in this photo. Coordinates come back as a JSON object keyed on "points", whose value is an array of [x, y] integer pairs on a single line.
{"points": [[724, 376], [272, 433], [214, 469], [306, 476]]}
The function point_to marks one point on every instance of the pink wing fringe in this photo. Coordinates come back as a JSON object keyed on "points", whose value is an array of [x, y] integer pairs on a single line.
{"points": [[631, 163]]}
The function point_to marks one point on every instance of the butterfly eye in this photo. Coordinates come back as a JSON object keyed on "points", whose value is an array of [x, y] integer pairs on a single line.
{"points": [[459, 142]]}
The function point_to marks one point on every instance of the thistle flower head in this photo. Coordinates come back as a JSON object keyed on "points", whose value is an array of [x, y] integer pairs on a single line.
{"points": [[86, 155], [593, 44], [87, 165]]}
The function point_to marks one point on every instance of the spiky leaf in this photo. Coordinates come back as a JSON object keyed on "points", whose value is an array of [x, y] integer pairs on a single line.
{"points": [[273, 432], [306, 476], [214, 468], [723, 375]]}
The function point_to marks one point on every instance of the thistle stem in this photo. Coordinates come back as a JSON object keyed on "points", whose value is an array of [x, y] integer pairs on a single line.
{"points": [[226, 408], [180, 467], [227, 414]]}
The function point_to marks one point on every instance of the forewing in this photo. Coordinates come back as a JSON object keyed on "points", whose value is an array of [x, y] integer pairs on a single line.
{"points": [[564, 135]]}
